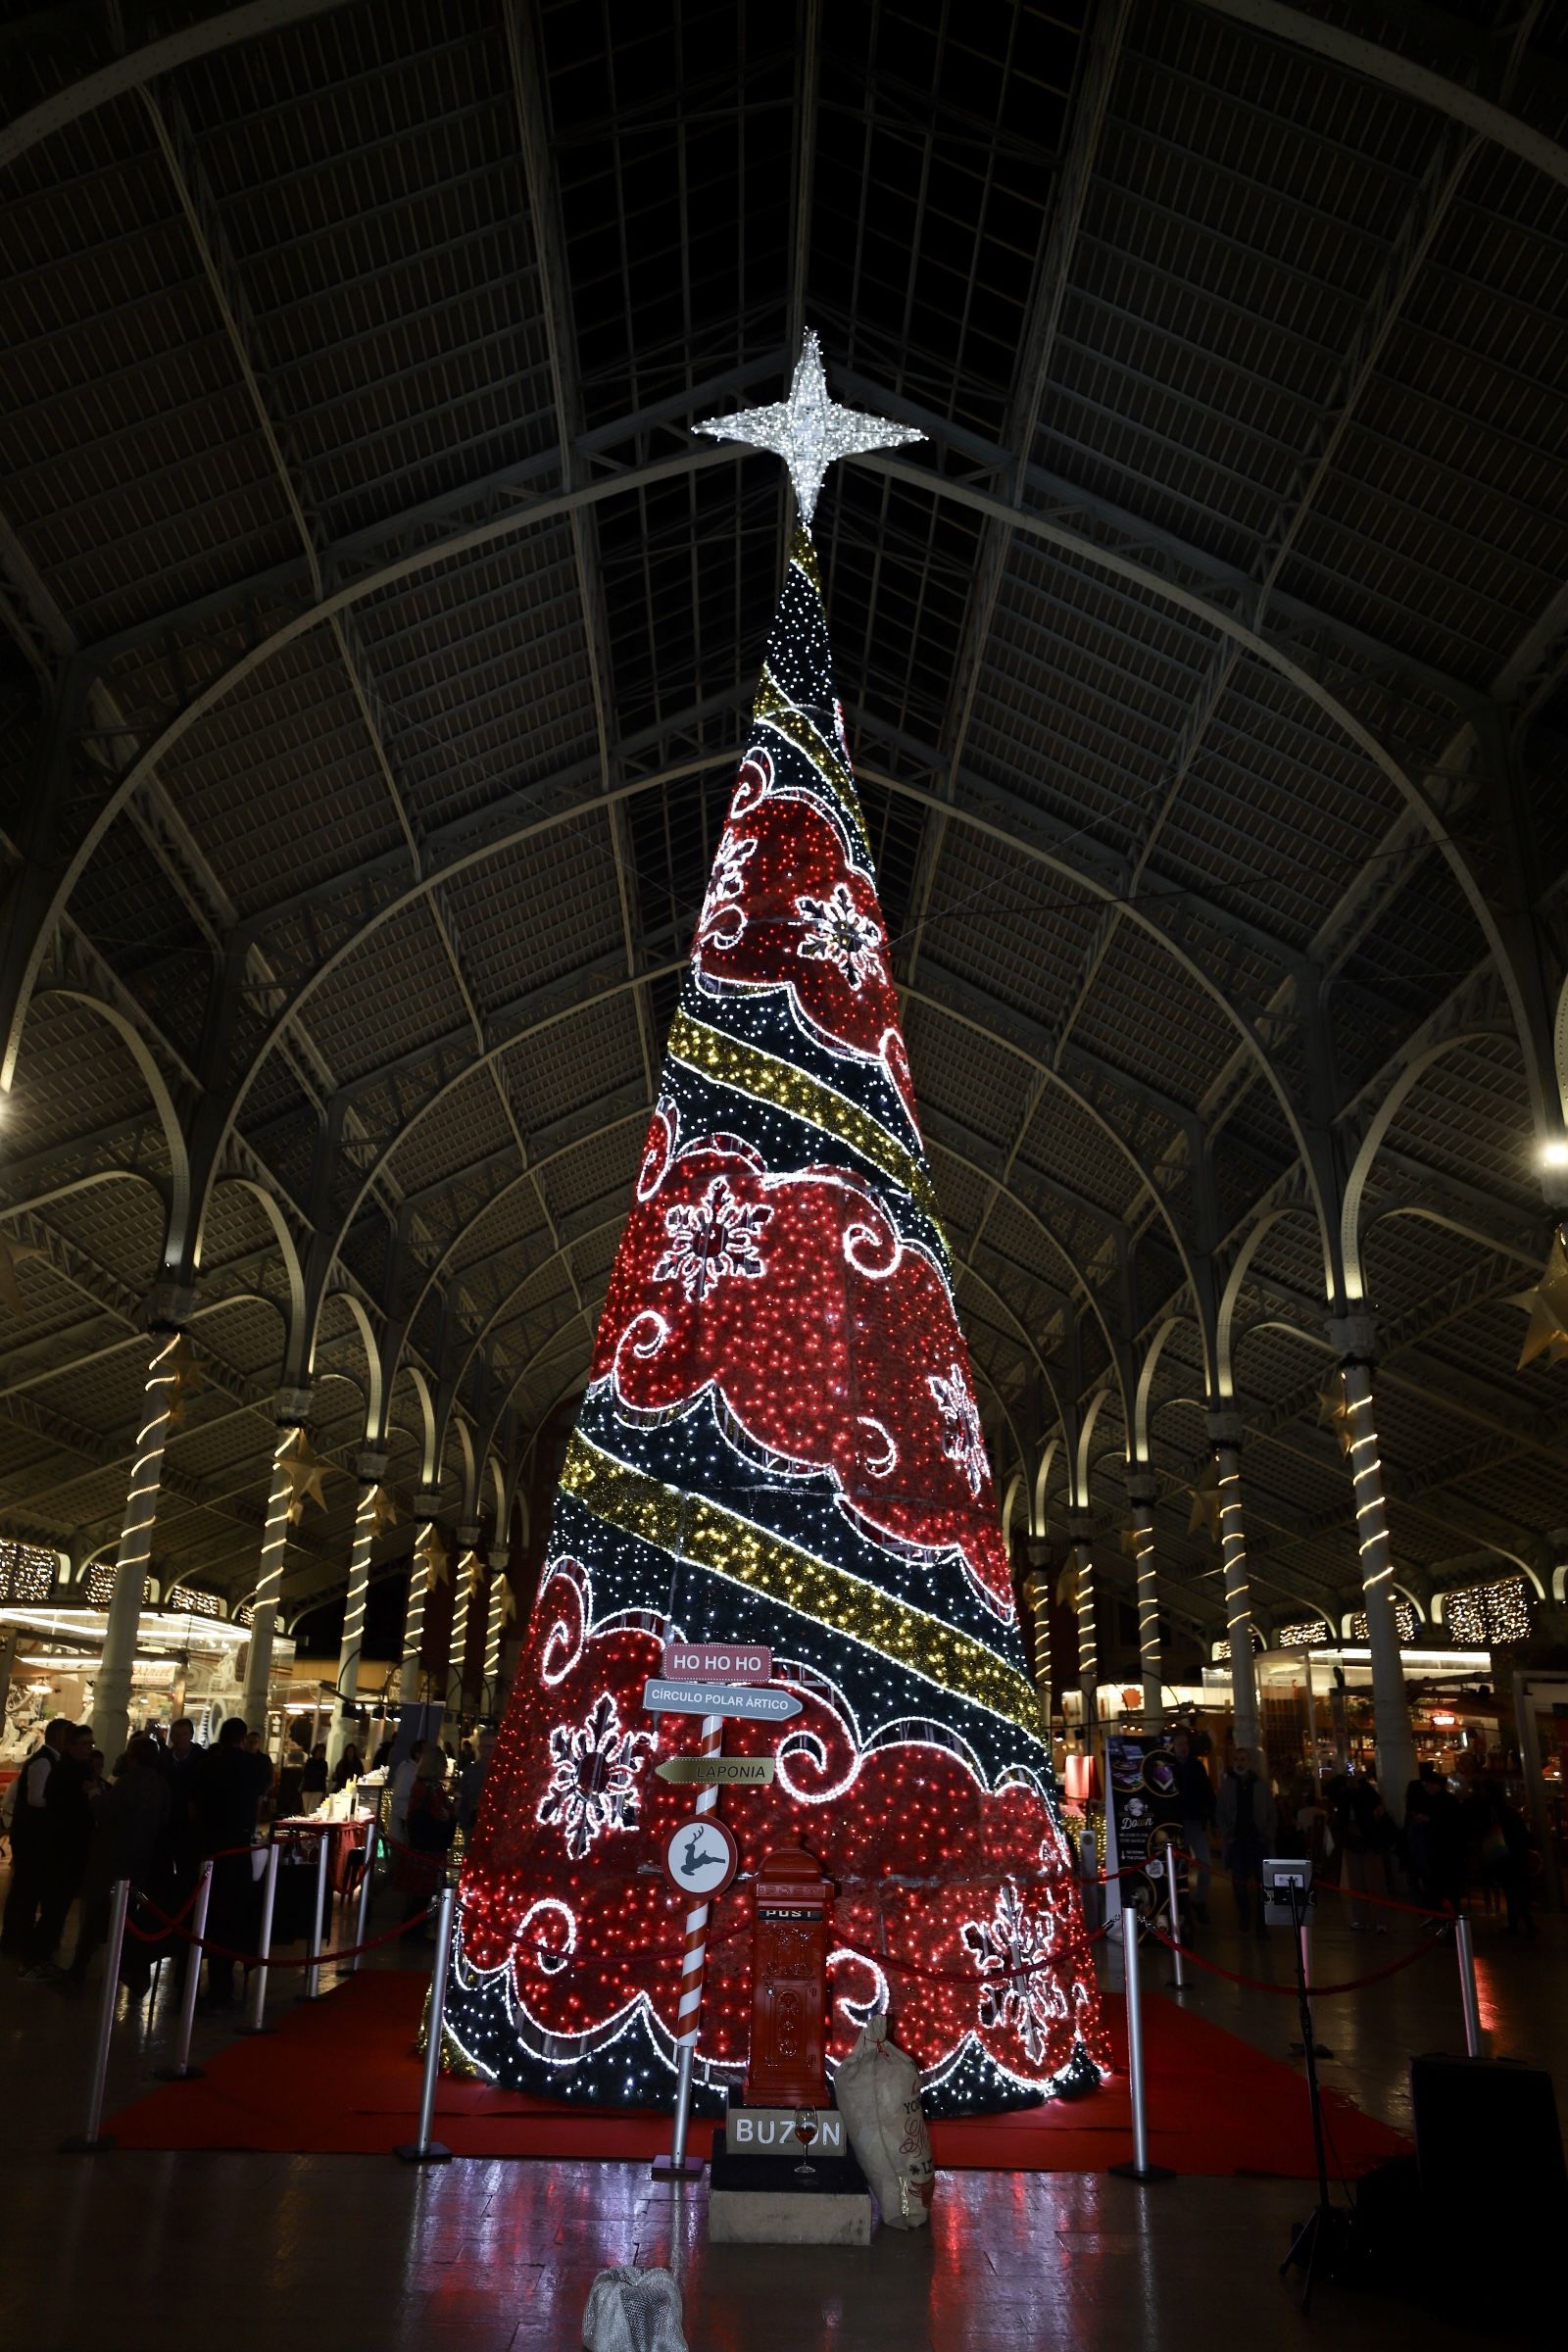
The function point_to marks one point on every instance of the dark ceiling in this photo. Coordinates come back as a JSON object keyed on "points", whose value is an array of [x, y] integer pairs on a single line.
{"points": [[378, 641]]}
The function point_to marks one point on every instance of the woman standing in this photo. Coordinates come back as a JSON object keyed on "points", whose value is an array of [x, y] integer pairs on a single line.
{"points": [[432, 1826]]}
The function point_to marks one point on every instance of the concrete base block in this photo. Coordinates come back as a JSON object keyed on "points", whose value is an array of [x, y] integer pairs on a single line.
{"points": [[764, 2201], [763, 2217]]}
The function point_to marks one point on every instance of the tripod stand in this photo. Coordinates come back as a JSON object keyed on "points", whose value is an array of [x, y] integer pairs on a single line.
{"points": [[1322, 2235]]}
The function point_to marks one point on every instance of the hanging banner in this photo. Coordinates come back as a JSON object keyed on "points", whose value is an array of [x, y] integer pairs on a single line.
{"points": [[1142, 1817]]}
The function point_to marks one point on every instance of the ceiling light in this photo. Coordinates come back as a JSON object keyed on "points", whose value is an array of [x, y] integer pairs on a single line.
{"points": [[1553, 1152]]}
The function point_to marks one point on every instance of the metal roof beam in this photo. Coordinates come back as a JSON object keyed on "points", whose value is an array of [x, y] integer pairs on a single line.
{"points": [[1096, 67], [524, 37], [224, 28], [1477, 54], [1413, 240]]}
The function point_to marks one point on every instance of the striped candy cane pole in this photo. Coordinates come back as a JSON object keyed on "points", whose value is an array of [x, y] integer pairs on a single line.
{"points": [[694, 1962]]}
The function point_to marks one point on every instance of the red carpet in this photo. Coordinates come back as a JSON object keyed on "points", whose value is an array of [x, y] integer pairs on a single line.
{"points": [[340, 2076]]}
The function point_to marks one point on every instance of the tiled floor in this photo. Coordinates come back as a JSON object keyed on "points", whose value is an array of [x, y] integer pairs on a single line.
{"points": [[249, 2252]]}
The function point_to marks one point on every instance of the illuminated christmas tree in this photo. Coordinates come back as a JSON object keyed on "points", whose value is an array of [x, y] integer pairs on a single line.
{"points": [[780, 1444]]}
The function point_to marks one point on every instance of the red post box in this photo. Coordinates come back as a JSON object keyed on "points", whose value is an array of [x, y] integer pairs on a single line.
{"points": [[789, 1983]]}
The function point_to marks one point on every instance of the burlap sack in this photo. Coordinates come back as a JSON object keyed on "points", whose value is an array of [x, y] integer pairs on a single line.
{"points": [[633, 2310], [877, 2091]]}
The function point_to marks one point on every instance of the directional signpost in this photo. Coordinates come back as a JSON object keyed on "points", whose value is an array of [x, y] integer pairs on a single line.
{"points": [[717, 1772], [713, 1680], [720, 1661], [772, 1704]]}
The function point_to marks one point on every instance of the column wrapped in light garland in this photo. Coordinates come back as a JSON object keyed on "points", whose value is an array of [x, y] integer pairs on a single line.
{"points": [[466, 1669], [1225, 1429], [374, 1513], [428, 1566], [1081, 1532], [502, 1610], [1141, 1493], [296, 1477], [170, 1372], [1037, 1591], [780, 1444], [1352, 1410]]}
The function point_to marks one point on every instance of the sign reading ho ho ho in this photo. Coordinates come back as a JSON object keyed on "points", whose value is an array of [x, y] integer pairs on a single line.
{"points": [[719, 1661]]}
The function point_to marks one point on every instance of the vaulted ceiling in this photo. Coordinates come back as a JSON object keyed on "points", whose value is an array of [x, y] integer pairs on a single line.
{"points": [[377, 642]]}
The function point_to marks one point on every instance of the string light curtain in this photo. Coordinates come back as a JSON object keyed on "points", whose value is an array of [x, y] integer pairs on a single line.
{"points": [[780, 1443]]}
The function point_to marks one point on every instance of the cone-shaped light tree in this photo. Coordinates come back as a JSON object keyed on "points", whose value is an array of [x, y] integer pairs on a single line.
{"points": [[779, 1443]]}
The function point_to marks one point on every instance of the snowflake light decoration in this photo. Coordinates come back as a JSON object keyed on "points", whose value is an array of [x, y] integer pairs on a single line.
{"points": [[962, 1439], [1011, 1949], [713, 1238], [721, 919], [810, 430], [592, 1786], [838, 933]]}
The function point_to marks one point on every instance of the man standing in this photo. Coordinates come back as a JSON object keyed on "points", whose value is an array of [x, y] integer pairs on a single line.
{"points": [[1197, 1792], [1247, 1826], [181, 1764], [66, 1835], [403, 1780], [20, 1934], [233, 1786]]}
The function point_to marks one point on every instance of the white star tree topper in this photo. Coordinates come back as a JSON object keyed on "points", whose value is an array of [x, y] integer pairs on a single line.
{"points": [[809, 430]]}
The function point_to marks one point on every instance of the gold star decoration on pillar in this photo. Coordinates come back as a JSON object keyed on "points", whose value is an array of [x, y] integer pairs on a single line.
{"points": [[180, 1363], [306, 1473], [383, 1512], [1548, 1309], [177, 1364], [1204, 1517], [1127, 1540], [12, 1256], [437, 1561], [1333, 1409], [509, 1602], [475, 1567]]}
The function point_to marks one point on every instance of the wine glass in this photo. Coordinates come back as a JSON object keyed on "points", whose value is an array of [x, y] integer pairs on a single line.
{"points": [[806, 2129]]}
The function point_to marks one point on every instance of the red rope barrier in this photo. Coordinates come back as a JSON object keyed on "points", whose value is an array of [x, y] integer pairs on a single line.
{"points": [[223, 1952], [1292, 1991], [1383, 1903]]}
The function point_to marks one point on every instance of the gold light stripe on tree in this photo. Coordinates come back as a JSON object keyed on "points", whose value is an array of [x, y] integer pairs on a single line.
{"points": [[773, 708], [733, 1062], [732, 1547]]}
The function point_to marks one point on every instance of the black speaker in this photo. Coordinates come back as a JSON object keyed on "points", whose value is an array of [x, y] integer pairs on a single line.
{"points": [[1488, 2152]]}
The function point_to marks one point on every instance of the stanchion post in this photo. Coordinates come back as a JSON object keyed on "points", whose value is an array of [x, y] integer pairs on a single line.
{"points": [[95, 2137], [1139, 2168], [1468, 1997], [362, 1925], [182, 2070], [1178, 1962], [424, 2149], [256, 2024], [312, 1974]]}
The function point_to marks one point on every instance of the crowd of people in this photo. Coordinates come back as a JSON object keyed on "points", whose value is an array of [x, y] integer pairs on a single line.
{"points": [[171, 1805], [1444, 1841]]}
